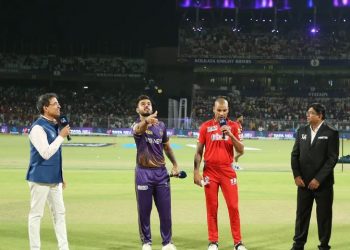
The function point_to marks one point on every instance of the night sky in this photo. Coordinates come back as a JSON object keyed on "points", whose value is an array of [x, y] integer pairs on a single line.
{"points": [[146, 23], [121, 27]]}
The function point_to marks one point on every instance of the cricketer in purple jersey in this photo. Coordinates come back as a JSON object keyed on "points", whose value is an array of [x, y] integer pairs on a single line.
{"points": [[151, 176], [150, 146]]}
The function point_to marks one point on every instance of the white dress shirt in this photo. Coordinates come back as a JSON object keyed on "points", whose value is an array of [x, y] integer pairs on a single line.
{"points": [[38, 138], [314, 132]]}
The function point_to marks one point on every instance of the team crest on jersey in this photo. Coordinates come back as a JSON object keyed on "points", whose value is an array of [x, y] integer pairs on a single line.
{"points": [[161, 132], [303, 136], [212, 128], [149, 132]]}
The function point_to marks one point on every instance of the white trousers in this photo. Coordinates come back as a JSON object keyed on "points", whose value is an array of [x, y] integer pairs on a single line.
{"points": [[52, 194]]}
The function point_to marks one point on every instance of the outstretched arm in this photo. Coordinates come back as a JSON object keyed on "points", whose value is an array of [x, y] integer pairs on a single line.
{"points": [[140, 128]]}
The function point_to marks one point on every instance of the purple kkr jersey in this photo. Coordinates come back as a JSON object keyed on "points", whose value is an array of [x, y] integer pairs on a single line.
{"points": [[150, 146]]}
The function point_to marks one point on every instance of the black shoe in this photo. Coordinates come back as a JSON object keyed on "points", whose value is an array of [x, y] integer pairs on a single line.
{"points": [[297, 248], [240, 246]]}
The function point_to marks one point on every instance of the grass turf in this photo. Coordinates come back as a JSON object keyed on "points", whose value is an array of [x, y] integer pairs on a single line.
{"points": [[101, 206]]}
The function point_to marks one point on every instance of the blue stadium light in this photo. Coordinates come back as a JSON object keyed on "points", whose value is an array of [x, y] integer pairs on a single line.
{"points": [[286, 5], [314, 30], [341, 3], [185, 3], [261, 4], [310, 3], [202, 4], [228, 4]]}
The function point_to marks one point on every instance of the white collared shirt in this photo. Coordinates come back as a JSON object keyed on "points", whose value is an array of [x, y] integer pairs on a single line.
{"points": [[38, 138], [314, 132]]}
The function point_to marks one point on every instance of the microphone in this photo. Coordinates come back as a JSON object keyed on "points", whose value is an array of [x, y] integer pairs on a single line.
{"points": [[222, 122], [181, 175], [64, 122]]}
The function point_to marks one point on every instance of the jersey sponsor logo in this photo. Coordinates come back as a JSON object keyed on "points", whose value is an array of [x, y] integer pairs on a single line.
{"points": [[153, 141], [212, 128], [218, 137], [142, 187], [233, 181]]}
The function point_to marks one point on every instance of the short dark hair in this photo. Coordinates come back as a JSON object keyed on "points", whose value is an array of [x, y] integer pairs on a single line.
{"points": [[142, 97], [44, 101], [319, 108]]}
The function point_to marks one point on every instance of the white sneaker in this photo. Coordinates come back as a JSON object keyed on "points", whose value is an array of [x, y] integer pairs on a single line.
{"points": [[240, 246], [170, 246], [147, 246], [213, 246]]}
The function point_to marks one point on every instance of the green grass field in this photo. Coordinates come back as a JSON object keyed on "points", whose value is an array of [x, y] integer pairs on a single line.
{"points": [[101, 206]]}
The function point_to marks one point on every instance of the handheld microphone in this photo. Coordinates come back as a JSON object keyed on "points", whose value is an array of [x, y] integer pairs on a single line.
{"points": [[222, 122], [180, 175], [64, 122]]}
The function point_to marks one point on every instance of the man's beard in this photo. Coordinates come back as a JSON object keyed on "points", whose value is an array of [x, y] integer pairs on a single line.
{"points": [[145, 114]]}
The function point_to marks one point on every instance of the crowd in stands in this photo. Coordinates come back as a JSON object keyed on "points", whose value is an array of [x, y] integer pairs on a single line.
{"points": [[108, 108], [114, 107], [60, 65], [222, 42], [270, 113]]}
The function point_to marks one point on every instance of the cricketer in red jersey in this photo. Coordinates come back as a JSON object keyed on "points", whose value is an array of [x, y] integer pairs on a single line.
{"points": [[239, 121], [218, 171]]}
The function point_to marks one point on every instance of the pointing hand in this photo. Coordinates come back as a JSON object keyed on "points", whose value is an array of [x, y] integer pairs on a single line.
{"points": [[152, 119]]}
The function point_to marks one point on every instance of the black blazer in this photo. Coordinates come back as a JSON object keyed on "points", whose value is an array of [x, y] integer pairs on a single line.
{"points": [[316, 160]]}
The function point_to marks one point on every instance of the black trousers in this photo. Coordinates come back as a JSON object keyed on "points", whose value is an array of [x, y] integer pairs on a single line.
{"points": [[324, 203]]}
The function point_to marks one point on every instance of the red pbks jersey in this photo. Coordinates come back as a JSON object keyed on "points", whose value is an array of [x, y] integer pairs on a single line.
{"points": [[218, 151], [240, 131]]}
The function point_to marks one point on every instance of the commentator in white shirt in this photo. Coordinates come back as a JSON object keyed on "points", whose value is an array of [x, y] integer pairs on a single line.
{"points": [[44, 174]]}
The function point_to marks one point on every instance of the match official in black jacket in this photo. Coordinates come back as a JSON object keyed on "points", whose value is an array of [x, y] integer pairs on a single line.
{"points": [[314, 156]]}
